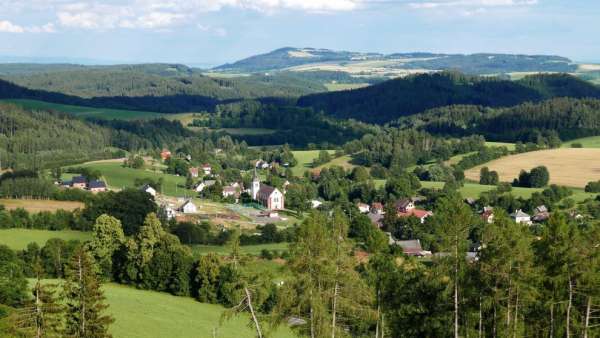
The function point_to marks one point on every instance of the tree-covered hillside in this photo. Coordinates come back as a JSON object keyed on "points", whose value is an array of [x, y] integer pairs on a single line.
{"points": [[402, 97]]}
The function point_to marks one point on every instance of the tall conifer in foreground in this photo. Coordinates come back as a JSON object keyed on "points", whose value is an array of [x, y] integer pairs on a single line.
{"points": [[84, 300]]}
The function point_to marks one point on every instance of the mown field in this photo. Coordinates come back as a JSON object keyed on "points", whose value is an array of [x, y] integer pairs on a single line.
{"points": [[586, 142], [80, 111], [119, 177], [253, 250], [35, 206], [17, 239], [150, 314], [305, 159], [572, 167]]}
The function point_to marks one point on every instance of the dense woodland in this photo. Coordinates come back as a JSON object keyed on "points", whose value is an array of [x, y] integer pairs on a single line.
{"points": [[393, 99]]}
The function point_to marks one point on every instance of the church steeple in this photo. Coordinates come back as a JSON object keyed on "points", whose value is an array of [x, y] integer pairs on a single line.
{"points": [[255, 184]]}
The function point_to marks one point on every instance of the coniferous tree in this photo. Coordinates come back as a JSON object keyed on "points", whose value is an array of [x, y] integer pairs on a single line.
{"points": [[84, 300]]}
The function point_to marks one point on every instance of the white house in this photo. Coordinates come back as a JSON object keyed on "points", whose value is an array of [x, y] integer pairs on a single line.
{"points": [[315, 204], [206, 168], [270, 197], [363, 208], [147, 188], [204, 184], [230, 191], [188, 207], [520, 217]]}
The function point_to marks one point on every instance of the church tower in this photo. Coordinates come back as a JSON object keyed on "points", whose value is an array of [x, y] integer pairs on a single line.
{"points": [[255, 185]]}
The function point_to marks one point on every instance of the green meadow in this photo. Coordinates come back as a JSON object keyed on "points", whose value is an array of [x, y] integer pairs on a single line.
{"points": [[305, 159], [80, 111], [119, 177], [253, 250], [586, 142], [18, 239]]}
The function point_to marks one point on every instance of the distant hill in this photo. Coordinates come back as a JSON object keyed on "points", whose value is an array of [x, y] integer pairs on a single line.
{"points": [[393, 99], [375, 64]]}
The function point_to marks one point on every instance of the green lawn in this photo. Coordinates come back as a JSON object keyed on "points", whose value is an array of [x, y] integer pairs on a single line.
{"points": [[246, 249], [119, 177], [305, 159], [587, 142], [150, 314], [17, 239], [80, 111]]}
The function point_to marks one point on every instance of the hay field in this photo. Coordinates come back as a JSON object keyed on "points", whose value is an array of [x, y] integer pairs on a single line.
{"points": [[570, 167], [35, 206]]}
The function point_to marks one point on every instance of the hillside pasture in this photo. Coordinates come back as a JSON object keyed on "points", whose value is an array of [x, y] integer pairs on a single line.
{"points": [[572, 167], [509, 146], [18, 239], [80, 111], [118, 177], [253, 250], [586, 142], [151, 314], [35, 206], [305, 159]]}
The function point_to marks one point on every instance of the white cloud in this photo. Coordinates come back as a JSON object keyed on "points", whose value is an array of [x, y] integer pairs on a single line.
{"points": [[430, 4], [9, 27], [217, 31]]}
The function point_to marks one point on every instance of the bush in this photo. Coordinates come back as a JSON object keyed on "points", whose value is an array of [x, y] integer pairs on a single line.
{"points": [[593, 187], [576, 145]]}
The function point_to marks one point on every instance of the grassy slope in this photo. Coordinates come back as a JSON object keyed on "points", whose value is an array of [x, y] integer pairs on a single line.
{"points": [[150, 314], [79, 111], [118, 177], [305, 159], [17, 239], [587, 142]]}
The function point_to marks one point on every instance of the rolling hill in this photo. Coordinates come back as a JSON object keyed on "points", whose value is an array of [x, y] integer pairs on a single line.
{"points": [[398, 63]]}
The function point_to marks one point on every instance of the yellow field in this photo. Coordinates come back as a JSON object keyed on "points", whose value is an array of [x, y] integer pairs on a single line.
{"points": [[570, 167], [35, 206]]}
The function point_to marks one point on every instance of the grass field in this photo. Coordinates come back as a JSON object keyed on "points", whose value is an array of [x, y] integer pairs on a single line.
{"points": [[150, 314], [586, 142], [509, 146], [79, 111], [342, 161], [248, 131], [35, 206], [17, 239], [570, 167], [305, 159], [245, 249], [119, 177]]}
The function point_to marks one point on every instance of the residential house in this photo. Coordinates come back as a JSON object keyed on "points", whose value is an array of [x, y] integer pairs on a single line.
{"points": [[487, 215], [148, 188], [270, 197], [207, 169], [204, 184], [406, 208], [377, 208], [363, 207], [97, 186], [165, 154], [521, 217], [541, 214], [188, 207], [79, 182], [376, 219], [231, 191], [193, 172], [413, 248], [315, 204]]}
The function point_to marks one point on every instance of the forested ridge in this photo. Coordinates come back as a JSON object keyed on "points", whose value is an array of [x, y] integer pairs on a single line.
{"points": [[393, 99]]}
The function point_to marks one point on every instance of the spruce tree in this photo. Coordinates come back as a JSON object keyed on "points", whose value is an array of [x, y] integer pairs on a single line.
{"points": [[84, 300]]}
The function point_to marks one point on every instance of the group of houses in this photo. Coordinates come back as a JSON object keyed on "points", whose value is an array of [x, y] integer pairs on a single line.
{"points": [[541, 214], [404, 208], [81, 182]]}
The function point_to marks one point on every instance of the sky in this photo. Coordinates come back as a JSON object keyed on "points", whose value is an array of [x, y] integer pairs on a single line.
{"points": [[212, 32]]}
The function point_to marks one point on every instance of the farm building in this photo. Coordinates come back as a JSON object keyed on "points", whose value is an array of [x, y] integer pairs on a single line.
{"points": [[97, 186], [188, 207], [79, 182]]}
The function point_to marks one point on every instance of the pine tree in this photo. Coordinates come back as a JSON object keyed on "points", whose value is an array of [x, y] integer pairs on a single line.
{"points": [[84, 299], [42, 316]]}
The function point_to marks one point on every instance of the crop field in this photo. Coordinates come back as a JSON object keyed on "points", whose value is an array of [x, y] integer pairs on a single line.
{"points": [[305, 159], [253, 250], [570, 167], [18, 239], [151, 314], [80, 111], [119, 177], [35, 206], [586, 142]]}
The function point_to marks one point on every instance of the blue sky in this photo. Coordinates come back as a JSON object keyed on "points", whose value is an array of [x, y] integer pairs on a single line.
{"points": [[202, 32]]}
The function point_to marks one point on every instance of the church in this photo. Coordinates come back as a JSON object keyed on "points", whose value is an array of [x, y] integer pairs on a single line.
{"points": [[270, 197]]}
